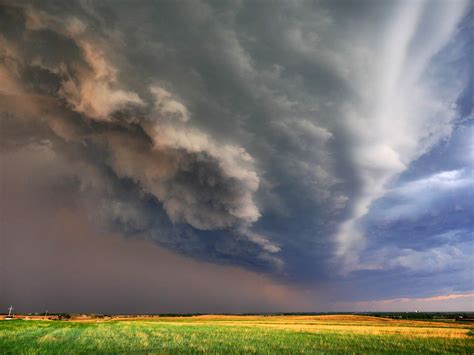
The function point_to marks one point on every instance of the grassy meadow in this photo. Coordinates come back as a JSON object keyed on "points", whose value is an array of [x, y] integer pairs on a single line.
{"points": [[237, 335]]}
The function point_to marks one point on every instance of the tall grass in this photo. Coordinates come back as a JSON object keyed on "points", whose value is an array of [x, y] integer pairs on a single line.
{"points": [[209, 337]]}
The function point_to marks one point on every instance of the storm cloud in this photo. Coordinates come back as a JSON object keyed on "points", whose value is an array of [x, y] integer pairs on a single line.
{"points": [[275, 137]]}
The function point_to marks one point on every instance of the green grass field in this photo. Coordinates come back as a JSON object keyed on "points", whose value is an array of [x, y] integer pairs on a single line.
{"points": [[232, 334]]}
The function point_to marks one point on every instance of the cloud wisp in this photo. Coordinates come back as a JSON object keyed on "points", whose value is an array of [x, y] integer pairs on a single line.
{"points": [[404, 117]]}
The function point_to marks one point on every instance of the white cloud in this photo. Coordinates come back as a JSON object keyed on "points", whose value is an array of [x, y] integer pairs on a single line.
{"points": [[419, 197], [441, 181], [403, 112], [446, 258]]}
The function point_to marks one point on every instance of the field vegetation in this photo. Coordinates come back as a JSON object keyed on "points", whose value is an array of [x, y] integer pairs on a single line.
{"points": [[237, 334]]}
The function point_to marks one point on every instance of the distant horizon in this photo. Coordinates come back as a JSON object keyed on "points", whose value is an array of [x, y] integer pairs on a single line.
{"points": [[237, 314]]}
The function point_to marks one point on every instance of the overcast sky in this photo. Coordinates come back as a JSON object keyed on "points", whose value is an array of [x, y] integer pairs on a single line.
{"points": [[236, 156]]}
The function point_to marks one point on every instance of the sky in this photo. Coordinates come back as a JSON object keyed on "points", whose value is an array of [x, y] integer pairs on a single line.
{"points": [[236, 156]]}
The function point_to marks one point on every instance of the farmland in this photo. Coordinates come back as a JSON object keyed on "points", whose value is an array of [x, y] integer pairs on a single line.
{"points": [[237, 334]]}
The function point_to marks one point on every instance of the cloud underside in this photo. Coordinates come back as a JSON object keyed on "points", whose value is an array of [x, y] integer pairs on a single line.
{"points": [[237, 132]]}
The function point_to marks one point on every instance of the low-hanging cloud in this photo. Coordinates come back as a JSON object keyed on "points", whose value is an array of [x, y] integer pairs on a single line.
{"points": [[237, 132]]}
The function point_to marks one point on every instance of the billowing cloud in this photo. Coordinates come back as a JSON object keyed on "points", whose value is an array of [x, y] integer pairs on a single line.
{"points": [[200, 181], [58, 255], [278, 138]]}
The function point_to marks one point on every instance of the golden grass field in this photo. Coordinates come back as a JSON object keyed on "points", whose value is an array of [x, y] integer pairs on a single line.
{"points": [[350, 324]]}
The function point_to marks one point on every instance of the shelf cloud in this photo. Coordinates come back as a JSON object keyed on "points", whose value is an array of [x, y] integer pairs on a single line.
{"points": [[290, 140]]}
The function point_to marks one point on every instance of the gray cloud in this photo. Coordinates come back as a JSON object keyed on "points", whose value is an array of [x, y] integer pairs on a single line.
{"points": [[234, 132], [199, 180], [55, 259]]}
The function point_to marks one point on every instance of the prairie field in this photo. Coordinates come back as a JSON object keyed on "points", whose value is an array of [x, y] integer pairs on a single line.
{"points": [[236, 335]]}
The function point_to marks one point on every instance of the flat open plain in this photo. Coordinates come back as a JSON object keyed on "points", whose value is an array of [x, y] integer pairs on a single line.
{"points": [[219, 334]]}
